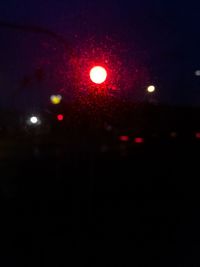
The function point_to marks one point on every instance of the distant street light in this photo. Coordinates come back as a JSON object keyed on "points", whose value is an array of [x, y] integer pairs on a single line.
{"points": [[151, 89], [56, 99], [33, 120]]}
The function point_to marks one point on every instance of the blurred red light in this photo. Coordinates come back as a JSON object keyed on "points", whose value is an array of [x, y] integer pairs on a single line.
{"points": [[197, 135], [124, 138], [139, 140], [60, 117]]}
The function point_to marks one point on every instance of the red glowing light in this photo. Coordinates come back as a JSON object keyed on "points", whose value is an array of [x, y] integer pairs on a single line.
{"points": [[139, 140], [124, 138], [98, 75], [60, 117]]}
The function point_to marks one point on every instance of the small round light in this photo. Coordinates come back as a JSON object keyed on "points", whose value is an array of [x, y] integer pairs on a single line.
{"points": [[151, 89], [98, 75], [34, 120], [56, 99], [60, 117], [139, 140]]}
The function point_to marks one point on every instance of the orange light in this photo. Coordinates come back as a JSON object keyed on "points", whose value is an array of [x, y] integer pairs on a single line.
{"points": [[98, 75]]}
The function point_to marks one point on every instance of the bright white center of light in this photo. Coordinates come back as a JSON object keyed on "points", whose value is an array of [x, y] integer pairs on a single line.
{"points": [[98, 74], [34, 120], [151, 89]]}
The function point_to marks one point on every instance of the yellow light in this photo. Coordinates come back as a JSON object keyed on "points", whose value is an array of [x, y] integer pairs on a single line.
{"points": [[151, 89], [56, 99], [98, 75]]}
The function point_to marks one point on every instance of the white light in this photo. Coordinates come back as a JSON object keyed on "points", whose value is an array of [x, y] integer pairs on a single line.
{"points": [[34, 120], [98, 75], [151, 89], [197, 72]]}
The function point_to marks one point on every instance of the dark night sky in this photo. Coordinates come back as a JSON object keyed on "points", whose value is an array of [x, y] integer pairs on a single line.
{"points": [[167, 32]]}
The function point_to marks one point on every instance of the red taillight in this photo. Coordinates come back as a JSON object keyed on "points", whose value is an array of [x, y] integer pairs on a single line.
{"points": [[60, 117], [124, 138], [139, 140]]}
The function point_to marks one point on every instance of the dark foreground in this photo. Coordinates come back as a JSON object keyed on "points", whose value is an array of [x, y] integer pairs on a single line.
{"points": [[83, 204]]}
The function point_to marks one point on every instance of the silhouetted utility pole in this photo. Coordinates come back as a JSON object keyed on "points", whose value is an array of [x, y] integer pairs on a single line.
{"points": [[36, 29]]}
